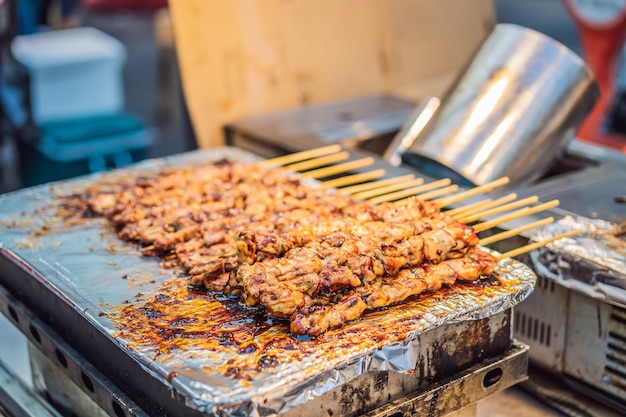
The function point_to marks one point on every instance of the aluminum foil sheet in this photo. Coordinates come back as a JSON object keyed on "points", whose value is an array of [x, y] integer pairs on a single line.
{"points": [[593, 262], [87, 266]]}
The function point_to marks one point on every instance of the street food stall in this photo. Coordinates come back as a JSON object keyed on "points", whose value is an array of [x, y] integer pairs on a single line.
{"points": [[324, 260]]}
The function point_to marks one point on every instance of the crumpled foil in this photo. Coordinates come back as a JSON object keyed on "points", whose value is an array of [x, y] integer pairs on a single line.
{"points": [[593, 262], [83, 266]]}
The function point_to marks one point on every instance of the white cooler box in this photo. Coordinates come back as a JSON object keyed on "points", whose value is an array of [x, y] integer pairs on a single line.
{"points": [[74, 73]]}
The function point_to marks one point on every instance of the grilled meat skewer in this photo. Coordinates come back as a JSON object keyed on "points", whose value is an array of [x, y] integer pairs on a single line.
{"points": [[315, 320], [328, 264], [300, 252]]}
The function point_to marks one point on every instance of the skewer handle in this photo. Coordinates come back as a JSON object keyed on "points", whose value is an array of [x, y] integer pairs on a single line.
{"points": [[318, 162], [410, 191], [302, 156], [353, 179], [338, 169], [527, 248], [438, 193], [469, 208], [515, 215], [376, 184], [388, 189], [514, 232], [499, 209], [488, 204], [445, 201]]}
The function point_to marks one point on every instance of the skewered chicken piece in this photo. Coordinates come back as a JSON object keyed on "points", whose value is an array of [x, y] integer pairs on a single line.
{"points": [[402, 226], [336, 262], [409, 208], [435, 240], [165, 237], [185, 189], [170, 185], [430, 277], [205, 264], [314, 320], [300, 252], [158, 205], [164, 234]]}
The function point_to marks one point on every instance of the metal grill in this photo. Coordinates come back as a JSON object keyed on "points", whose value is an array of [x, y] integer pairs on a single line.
{"points": [[615, 367], [585, 180]]}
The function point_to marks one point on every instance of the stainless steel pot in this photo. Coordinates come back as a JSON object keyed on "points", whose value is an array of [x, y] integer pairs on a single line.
{"points": [[510, 113]]}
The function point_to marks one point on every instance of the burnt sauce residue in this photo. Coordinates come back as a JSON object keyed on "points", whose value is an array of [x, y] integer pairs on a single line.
{"points": [[181, 318]]}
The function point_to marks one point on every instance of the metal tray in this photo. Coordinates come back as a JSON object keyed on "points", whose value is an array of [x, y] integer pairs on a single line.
{"points": [[72, 277], [574, 320], [593, 262]]}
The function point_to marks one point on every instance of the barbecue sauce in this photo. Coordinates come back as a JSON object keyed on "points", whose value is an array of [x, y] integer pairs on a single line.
{"points": [[183, 318]]}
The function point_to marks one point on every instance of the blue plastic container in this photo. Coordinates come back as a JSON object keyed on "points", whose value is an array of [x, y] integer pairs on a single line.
{"points": [[71, 148]]}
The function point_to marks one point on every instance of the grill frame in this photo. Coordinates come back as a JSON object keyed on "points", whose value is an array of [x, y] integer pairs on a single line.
{"points": [[583, 330]]}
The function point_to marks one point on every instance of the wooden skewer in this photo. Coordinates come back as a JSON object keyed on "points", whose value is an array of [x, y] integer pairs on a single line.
{"points": [[338, 169], [410, 191], [388, 189], [527, 248], [375, 184], [499, 209], [470, 207], [471, 192], [514, 232], [438, 193], [318, 162], [353, 179], [486, 206], [301, 156], [515, 215]]}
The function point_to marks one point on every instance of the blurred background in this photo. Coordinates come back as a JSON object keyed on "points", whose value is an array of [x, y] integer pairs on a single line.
{"points": [[119, 63], [152, 95]]}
